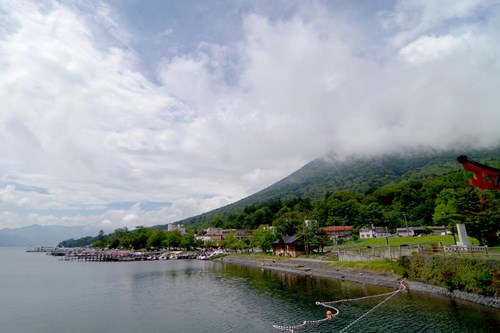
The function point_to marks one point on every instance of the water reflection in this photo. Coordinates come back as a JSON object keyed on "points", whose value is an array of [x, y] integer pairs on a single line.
{"points": [[180, 296], [295, 297]]}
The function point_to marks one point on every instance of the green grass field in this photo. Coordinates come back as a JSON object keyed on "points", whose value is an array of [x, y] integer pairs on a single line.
{"points": [[396, 241], [380, 266]]}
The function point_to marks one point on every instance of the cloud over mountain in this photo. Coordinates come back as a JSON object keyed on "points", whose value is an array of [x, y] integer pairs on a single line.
{"points": [[110, 107]]}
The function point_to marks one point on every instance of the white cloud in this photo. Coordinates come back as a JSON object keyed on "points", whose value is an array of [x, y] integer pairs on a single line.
{"points": [[410, 19], [80, 120], [428, 48]]}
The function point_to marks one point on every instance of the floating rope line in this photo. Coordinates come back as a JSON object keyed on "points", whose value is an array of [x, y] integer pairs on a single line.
{"points": [[306, 323], [331, 315]]}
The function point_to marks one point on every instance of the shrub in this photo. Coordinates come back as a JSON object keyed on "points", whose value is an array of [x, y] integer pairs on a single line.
{"points": [[466, 274]]}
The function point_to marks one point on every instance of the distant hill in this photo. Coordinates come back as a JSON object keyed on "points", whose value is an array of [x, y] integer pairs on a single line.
{"points": [[359, 174], [37, 235]]}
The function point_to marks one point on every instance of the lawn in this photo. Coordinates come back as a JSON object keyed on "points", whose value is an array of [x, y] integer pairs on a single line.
{"points": [[380, 266], [396, 241]]}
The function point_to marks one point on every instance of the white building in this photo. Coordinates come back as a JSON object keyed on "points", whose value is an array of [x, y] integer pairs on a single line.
{"points": [[179, 227], [373, 232]]}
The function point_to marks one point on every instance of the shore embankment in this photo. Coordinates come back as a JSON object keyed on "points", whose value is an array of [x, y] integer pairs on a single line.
{"points": [[325, 269]]}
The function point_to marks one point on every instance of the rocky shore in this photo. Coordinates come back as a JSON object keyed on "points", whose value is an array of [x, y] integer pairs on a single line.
{"points": [[319, 268]]}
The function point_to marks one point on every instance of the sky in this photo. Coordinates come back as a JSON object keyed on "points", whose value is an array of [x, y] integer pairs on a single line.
{"points": [[123, 113]]}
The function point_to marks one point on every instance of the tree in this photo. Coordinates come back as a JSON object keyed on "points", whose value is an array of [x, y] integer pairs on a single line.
{"points": [[156, 239], [117, 238], [479, 210], [217, 221], [264, 236], [139, 237], [288, 222], [172, 239], [312, 236], [230, 242], [263, 215], [187, 240]]}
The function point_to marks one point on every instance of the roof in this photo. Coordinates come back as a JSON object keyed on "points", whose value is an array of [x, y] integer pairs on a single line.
{"points": [[374, 229], [410, 229], [335, 228], [286, 240]]}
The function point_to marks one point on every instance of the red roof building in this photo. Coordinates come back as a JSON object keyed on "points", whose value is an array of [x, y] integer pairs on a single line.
{"points": [[336, 232]]}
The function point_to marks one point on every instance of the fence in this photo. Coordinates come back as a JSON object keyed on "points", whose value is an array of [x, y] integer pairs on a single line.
{"points": [[394, 252]]}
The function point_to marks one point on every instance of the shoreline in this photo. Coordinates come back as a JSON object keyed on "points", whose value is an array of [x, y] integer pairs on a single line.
{"points": [[317, 268], [323, 269]]}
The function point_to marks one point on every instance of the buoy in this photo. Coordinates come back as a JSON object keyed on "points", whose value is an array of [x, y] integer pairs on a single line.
{"points": [[329, 314]]}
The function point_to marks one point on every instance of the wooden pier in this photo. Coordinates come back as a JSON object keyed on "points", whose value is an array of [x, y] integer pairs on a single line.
{"points": [[93, 255]]}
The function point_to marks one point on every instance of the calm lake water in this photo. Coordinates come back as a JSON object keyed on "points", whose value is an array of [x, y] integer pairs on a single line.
{"points": [[39, 293]]}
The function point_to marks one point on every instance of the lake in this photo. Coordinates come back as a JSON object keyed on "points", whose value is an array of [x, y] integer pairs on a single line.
{"points": [[42, 294]]}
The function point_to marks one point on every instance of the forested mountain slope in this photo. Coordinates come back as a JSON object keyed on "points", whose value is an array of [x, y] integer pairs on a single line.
{"points": [[326, 175]]}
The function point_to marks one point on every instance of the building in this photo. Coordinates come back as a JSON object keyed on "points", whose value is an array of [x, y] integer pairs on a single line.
{"points": [[411, 231], [239, 233], [214, 232], [373, 232], [178, 227], [288, 246], [337, 232], [439, 230]]}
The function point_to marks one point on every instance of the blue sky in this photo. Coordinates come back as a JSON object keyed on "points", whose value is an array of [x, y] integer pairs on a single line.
{"points": [[124, 113]]}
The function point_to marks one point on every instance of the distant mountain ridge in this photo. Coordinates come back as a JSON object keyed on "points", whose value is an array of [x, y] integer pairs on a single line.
{"points": [[37, 235], [360, 174]]}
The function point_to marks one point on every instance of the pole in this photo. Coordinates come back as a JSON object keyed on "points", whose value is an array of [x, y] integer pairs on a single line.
{"points": [[406, 221]]}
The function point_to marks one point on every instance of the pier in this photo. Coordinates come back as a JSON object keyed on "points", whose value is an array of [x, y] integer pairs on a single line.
{"points": [[92, 255]]}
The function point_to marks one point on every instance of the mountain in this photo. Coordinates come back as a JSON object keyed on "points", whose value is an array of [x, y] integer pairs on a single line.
{"points": [[360, 174], [37, 235]]}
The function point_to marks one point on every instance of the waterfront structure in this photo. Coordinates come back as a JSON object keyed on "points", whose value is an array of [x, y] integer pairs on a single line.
{"points": [[288, 246]]}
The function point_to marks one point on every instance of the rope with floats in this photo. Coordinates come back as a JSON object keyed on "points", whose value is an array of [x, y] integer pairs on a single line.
{"points": [[330, 315]]}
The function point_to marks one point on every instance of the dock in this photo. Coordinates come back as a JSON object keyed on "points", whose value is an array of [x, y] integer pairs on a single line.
{"points": [[92, 255]]}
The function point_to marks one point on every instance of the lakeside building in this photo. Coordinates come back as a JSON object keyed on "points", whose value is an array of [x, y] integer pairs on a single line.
{"points": [[373, 232], [288, 246], [239, 233], [210, 238], [218, 234], [338, 232]]}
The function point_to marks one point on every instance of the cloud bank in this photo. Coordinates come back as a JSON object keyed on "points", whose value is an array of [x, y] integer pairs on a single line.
{"points": [[112, 123]]}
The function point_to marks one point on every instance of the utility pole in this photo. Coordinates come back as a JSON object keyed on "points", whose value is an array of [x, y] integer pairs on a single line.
{"points": [[406, 221]]}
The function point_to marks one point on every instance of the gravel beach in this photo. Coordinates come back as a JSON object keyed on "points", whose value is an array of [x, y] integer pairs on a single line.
{"points": [[317, 267]]}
